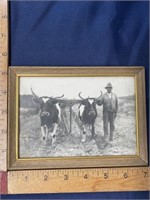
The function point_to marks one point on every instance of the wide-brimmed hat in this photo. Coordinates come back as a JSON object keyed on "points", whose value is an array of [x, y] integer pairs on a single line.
{"points": [[109, 85]]}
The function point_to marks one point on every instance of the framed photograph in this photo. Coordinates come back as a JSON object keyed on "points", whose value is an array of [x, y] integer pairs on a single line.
{"points": [[75, 117]]}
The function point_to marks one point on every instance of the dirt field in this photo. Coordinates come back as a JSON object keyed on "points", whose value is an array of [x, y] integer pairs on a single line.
{"points": [[124, 143]]}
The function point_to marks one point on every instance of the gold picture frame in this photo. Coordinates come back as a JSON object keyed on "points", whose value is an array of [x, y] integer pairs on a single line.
{"points": [[16, 162]]}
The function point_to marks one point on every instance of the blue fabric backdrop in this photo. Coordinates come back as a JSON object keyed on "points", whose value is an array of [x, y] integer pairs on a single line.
{"points": [[81, 33]]}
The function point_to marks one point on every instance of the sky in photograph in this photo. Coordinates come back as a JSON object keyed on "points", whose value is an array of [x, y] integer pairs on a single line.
{"points": [[71, 86]]}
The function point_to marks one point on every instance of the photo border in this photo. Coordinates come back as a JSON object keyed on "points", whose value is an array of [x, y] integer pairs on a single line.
{"points": [[14, 162]]}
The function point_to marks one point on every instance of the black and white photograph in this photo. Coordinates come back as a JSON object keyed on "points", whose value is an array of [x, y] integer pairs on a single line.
{"points": [[77, 116]]}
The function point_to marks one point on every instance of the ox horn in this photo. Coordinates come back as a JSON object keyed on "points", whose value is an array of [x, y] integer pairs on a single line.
{"points": [[100, 95], [59, 97], [34, 93], [80, 96]]}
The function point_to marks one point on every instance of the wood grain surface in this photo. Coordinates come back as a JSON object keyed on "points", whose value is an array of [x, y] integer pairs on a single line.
{"points": [[3, 82], [79, 180], [3, 182]]}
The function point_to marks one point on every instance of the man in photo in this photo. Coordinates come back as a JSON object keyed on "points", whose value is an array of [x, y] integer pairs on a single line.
{"points": [[109, 101]]}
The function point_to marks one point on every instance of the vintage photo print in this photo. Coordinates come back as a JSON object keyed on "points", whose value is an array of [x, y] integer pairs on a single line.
{"points": [[77, 116]]}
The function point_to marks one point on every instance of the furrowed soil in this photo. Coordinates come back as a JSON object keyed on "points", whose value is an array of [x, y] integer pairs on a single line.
{"points": [[70, 144]]}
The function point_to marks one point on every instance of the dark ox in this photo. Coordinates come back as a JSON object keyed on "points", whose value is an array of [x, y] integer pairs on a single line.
{"points": [[88, 114], [50, 115]]}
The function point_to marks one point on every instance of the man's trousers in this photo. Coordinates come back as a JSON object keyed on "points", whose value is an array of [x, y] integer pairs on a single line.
{"points": [[109, 119]]}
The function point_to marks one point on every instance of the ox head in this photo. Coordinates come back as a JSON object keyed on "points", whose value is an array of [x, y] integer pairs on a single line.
{"points": [[89, 104], [45, 103]]}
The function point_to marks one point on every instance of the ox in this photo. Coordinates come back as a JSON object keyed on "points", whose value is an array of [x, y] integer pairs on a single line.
{"points": [[50, 114], [88, 114]]}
